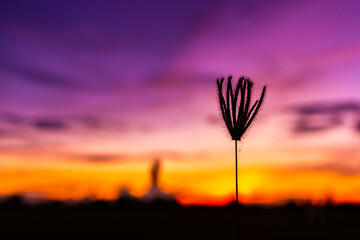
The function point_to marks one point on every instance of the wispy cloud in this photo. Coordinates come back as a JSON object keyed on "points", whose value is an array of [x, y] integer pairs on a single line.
{"points": [[213, 119]]}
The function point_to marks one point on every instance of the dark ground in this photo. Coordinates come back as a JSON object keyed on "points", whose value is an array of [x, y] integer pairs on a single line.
{"points": [[171, 221]]}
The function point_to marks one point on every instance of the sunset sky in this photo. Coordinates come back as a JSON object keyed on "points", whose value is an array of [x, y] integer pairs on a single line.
{"points": [[91, 92]]}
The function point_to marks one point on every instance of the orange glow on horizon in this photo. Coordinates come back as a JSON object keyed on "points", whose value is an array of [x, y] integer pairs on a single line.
{"points": [[208, 187]]}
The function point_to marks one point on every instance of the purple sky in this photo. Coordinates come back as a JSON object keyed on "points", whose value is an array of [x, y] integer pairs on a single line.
{"points": [[101, 78], [117, 60]]}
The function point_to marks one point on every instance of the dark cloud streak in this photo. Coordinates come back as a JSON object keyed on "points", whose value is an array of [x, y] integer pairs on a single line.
{"points": [[318, 117], [12, 118], [41, 77], [102, 158], [177, 80], [50, 124], [329, 108]]}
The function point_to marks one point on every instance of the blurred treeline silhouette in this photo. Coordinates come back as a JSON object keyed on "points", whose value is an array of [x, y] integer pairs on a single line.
{"points": [[134, 219]]}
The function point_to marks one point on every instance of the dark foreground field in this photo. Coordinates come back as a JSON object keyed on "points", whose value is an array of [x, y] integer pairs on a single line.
{"points": [[170, 221]]}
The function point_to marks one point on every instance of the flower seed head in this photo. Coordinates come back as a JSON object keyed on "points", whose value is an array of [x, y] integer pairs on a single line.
{"points": [[235, 109]]}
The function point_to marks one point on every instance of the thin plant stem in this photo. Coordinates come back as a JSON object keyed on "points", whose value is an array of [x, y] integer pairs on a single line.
{"points": [[237, 198], [238, 115]]}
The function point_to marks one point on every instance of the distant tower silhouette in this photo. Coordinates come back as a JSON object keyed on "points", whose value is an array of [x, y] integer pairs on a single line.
{"points": [[155, 173], [155, 193]]}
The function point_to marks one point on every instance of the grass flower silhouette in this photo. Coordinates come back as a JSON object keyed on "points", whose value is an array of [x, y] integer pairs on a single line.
{"points": [[238, 115]]}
